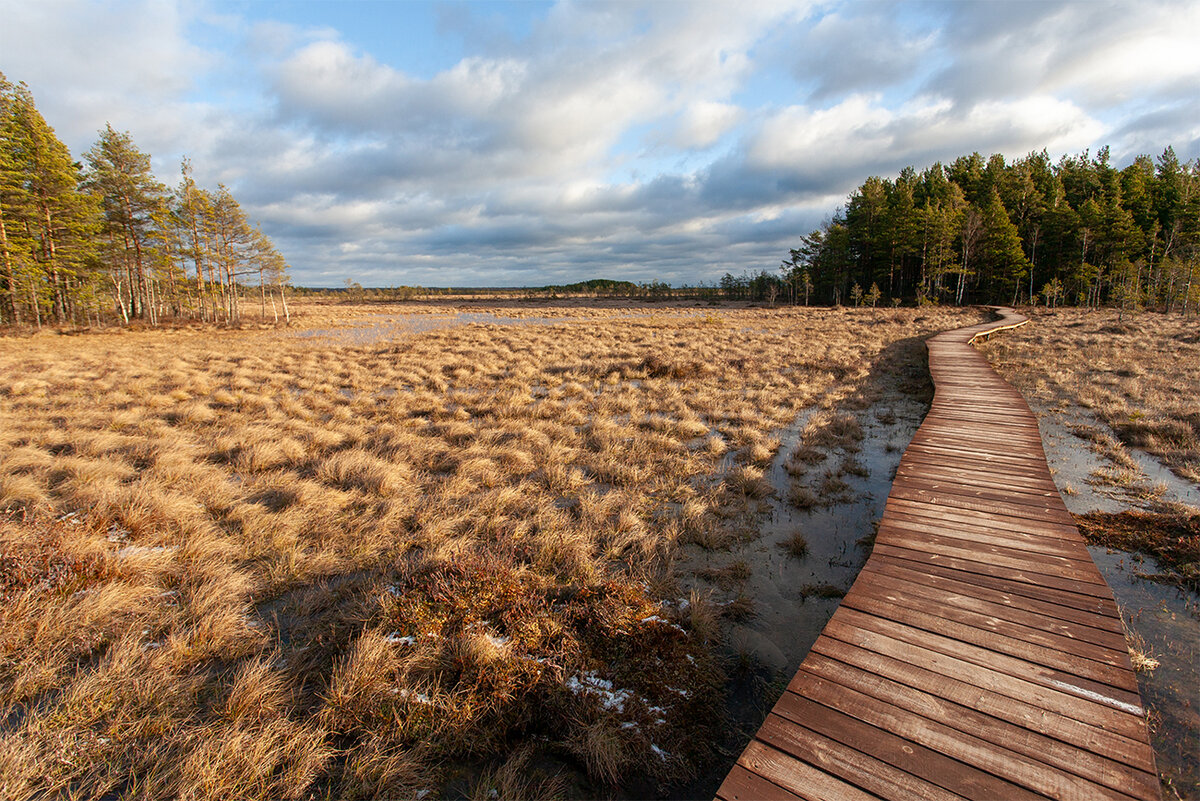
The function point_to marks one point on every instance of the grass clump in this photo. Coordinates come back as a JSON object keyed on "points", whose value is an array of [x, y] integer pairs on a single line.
{"points": [[796, 544], [1173, 539]]}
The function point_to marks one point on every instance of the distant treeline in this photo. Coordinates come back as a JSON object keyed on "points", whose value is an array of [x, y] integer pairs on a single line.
{"points": [[593, 288], [1078, 231], [104, 240]]}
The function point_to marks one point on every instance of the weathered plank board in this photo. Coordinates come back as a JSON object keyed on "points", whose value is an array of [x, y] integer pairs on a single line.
{"points": [[980, 653]]}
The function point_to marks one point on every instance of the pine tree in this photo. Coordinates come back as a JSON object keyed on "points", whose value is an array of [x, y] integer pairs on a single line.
{"points": [[41, 186], [232, 237], [119, 175], [192, 205], [1002, 259], [15, 248]]}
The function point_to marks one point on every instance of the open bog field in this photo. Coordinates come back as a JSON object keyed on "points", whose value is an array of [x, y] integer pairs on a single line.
{"points": [[408, 551]]}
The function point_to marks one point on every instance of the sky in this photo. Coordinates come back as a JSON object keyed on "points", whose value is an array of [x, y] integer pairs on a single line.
{"points": [[521, 144]]}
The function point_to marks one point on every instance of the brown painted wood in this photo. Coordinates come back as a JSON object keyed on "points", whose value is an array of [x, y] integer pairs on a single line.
{"points": [[1030, 585], [1088, 738], [1038, 577], [979, 653], [1045, 527], [744, 785], [1052, 618]]}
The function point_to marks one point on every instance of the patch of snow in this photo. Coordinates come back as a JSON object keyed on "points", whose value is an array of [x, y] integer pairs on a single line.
{"points": [[420, 698], [497, 641], [661, 754], [590, 683], [657, 619], [396, 639]]}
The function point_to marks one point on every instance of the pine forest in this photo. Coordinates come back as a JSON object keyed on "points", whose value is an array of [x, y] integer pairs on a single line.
{"points": [[103, 240]]}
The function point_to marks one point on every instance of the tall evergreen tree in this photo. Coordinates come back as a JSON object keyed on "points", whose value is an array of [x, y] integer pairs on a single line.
{"points": [[133, 201], [59, 220]]}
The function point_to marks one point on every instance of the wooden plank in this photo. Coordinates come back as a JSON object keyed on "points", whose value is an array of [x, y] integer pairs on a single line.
{"points": [[971, 488], [1083, 736], [1061, 620], [943, 605], [898, 535], [744, 785], [981, 455], [798, 776], [1021, 540], [863, 770], [1046, 512], [948, 470], [972, 516], [1022, 776], [910, 628], [1099, 610], [1049, 699], [1087, 596], [900, 737]]}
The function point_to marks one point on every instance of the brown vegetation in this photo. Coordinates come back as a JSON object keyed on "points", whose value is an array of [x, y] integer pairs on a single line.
{"points": [[1140, 375], [262, 565], [1172, 539]]}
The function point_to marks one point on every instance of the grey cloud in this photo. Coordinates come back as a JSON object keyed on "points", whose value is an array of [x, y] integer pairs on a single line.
{"points": [[858, 48]]}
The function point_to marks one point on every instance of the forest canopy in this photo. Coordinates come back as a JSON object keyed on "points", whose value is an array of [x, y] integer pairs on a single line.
{"points": [[82, 242], [1079, 231]]}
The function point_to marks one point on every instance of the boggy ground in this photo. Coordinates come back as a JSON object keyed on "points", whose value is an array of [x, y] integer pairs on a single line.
{"points": [[1115, 397], [437, 560]]}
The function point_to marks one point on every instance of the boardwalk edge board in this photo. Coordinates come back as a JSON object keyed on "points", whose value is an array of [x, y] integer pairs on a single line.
{"points": [[971, 603]]}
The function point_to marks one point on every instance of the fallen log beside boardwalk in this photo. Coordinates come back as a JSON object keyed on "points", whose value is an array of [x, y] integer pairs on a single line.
{"points": [[979, 653]]}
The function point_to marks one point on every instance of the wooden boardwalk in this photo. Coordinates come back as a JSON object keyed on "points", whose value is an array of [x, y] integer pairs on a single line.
{"points": [[979, 654]]}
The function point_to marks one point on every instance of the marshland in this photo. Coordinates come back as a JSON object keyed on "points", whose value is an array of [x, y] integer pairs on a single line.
{"points": [[553, 549], [262, 563], [495, 401]]}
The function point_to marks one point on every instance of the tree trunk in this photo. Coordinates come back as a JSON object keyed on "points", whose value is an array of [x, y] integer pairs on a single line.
{"points": [[9, 276]]}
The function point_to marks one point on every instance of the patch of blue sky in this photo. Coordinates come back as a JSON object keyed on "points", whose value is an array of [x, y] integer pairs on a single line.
{"points": [[420, 39], [771, 89], [637, 156]]}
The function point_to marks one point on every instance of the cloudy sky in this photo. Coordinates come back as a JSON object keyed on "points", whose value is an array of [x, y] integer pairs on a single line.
{"points": [[489, 144]]}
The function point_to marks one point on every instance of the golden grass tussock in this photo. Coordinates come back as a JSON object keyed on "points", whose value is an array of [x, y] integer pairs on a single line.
{"points": [[262, 565]]}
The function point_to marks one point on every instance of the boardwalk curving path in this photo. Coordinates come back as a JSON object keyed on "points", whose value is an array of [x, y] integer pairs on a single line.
{"points": [[979, 653]]}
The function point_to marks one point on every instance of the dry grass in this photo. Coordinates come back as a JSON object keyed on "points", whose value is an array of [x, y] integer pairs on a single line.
{"points": [[251, 564], [1173, 539], [1140, 376]]}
